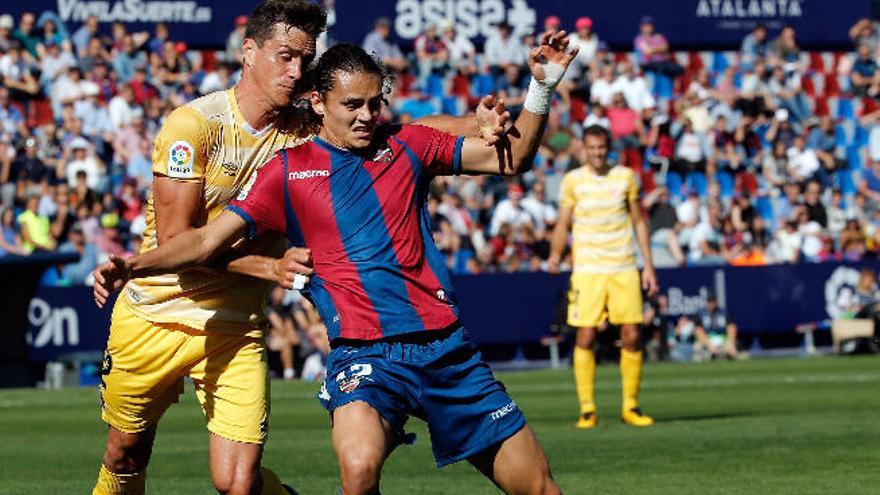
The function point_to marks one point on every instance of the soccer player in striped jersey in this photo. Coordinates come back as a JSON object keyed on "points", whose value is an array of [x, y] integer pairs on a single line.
{"points": [[356, 197], [207, 322], [600, 203]]}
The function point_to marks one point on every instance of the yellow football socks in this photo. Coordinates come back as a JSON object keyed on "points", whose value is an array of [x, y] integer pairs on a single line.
{"points": [[584, 378], [119, 484], [630, 377]]}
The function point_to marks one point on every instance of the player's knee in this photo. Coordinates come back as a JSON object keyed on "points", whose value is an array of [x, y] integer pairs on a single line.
{"points": [[359, 473], [543, 485], [235, 481], [127, 453]]}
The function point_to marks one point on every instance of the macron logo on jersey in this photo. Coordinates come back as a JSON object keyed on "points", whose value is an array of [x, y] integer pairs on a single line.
{"points": [[307, 174]]}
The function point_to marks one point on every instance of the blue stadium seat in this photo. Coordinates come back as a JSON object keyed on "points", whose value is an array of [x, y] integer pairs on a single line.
{"points": [[696, 180], [434, 86], [663, 86], [719, 62], [674, 182], [853, 158], [844, 180], [845, 109], [765, 208], [726, 183]]}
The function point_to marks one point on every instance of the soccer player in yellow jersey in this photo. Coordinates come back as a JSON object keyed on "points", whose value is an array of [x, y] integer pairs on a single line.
{"points": [[207, 323], [599, 202]]}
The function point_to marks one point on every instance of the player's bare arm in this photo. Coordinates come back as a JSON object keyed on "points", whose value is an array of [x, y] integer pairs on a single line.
{"points": [[559, 238], [188, 248], [514, 154], [649, 275]]}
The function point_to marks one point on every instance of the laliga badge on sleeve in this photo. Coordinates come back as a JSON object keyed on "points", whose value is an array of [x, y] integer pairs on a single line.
{"points": [[181, 157]]}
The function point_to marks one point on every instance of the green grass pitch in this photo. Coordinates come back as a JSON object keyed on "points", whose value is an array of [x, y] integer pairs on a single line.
{"points": [[795, 426]]}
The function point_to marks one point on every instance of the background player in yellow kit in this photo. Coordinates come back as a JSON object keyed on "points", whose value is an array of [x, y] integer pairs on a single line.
{"points": [[599, 202], [207, 323]]}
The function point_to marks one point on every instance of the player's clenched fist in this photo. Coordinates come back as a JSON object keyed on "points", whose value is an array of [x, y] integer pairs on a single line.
{"points": [[292, 271]]}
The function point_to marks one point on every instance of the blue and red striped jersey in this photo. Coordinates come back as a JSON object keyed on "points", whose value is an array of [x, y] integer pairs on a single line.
{"points": [[364, 216]]}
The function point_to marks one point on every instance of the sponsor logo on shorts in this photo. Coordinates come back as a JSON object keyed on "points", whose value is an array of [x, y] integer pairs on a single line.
{"points": [[180, 160], [307, 174], [504, 411]]}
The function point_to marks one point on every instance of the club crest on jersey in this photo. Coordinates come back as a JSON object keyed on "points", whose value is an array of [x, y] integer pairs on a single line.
{"points": [[180, 160], [383, 155], [357, 373]]}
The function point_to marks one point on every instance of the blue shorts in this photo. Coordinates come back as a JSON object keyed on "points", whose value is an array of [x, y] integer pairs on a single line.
{"points": [[443, 381]]}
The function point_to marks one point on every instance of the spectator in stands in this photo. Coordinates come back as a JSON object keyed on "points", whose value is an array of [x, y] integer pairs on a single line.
{"points": [[542, 212], [864, 76], [705, 246], [84, 34], [6, 39], [54, 64], [35, 233], [692, 150], [634, 88], [715, 332], [786, 93], [597, 117], [785, 50], [53, 32], [510, 211], [29, 167], [869, 186], [803, 163], [82, 158], [813, 204], [432, 56], [128, 58], [379, 44], [462, 54], [95, 51], [503, 49], [811, 240], [10, 240], [602, 90], [27, 35], [587, 41], [235, 41], [79, 272], [16, 74], [653, 52], [681, 340], [627, 129], [754, 45], [663, 227]]}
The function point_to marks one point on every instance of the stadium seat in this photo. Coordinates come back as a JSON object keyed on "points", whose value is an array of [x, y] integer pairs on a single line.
{"points": [[695, 62], [663, 86], [720, 62], [844, 180], [697, 181], [434, 86], [808, 87], [853, 158], [726, 183], [674, 183], [764, 207], [578, 109], [817, 64], [832, 88], [845, 109], [461, 86]]}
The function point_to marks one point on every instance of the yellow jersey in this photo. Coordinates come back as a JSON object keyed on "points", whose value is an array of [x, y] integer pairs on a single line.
{"points": [[602, 229], [208, 141]]}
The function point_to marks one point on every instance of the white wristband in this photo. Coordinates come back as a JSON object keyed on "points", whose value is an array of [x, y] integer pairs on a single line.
{"points": [[300, 281], [540, 93]]}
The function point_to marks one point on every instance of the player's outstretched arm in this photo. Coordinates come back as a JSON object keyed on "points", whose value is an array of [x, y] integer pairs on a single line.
{"points": [[515, 153], [188, 248]]}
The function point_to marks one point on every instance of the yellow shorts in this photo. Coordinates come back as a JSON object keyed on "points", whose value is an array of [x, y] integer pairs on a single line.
{"points": [[594, 297], [144, 367]]}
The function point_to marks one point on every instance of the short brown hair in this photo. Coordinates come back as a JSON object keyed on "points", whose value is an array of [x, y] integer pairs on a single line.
{"points": [[309, 17], [597, 130]]}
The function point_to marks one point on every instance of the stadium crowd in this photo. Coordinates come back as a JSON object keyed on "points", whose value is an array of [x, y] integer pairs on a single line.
{"points": [[766, 155]]}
